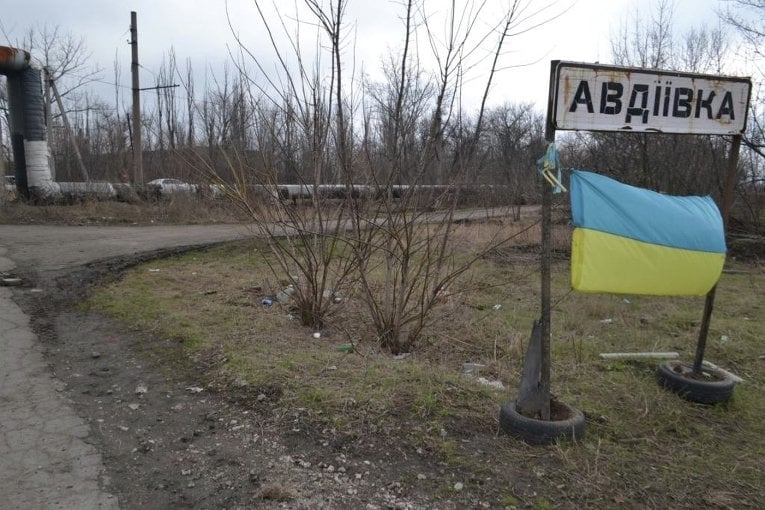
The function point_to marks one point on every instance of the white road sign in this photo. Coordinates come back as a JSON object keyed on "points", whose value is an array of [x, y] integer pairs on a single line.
{"points": [[606, 98]]}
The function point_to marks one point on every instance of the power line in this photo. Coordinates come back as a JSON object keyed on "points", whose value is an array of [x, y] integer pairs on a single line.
{"points": [[112, 84], [158, 87]]}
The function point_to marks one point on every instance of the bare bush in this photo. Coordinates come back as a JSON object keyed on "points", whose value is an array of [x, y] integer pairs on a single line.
{"points": [[383, 165]]}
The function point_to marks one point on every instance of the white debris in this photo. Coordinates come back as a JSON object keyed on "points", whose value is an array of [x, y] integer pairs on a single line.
{"points": [[472, 368], [141, 389], [731, 375], [494, 384], [638, 355]]}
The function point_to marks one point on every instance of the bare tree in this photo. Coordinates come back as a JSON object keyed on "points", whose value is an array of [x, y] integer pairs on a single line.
{"points": [[415, 253], [748, 18], [677, 164], [4, 130], [301, 129], [190, 106], [646, 40], [166, 100], [703, 50], [515, 139], [65, 55]]}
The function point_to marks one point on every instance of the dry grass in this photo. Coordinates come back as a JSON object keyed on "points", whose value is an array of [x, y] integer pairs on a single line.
{"points": [[645, 447]]}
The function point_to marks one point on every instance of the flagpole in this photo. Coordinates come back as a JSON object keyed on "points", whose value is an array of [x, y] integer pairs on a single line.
{"points": [[545, 262], [727, 203]]}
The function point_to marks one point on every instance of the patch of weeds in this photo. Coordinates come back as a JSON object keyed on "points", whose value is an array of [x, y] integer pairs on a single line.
{"points": [[428, 405], [449, 452], [337, 422], [616, 366], [508, 500], [276, 493], [313, 398], [542, 503]]}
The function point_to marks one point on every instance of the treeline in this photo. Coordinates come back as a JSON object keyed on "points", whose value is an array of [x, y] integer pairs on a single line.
{"points": [[405, 129], [197, 139]]}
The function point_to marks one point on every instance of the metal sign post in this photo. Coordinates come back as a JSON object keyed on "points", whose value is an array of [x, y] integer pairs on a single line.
{"points": [[727, 202], [607, 98], [534, 393]]}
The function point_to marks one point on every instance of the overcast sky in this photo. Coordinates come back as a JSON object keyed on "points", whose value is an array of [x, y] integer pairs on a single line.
{"points": [[199, 29]]}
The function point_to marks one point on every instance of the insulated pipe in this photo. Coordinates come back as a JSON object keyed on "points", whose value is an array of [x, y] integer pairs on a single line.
{"points": [[35, 145], [27, 124], [13, 59], [16, 131]]}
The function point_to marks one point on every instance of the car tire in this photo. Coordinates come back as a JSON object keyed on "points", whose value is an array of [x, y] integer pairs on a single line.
{"points": [[674, 375], [534, 431]]}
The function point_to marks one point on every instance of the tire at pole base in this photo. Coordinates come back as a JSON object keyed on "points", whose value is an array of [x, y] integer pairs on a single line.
{"points": [[671, 375], [534, 431]]}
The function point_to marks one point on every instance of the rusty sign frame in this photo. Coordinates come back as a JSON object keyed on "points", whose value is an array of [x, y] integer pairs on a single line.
{"points": [[594, 97]]}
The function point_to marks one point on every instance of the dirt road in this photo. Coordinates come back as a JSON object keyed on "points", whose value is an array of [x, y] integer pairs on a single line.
{"points": [[90, 417], [50, 248], [47, 455]]}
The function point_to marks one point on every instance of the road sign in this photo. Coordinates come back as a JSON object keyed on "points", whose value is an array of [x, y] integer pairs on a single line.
{"points": [[594, 97]]}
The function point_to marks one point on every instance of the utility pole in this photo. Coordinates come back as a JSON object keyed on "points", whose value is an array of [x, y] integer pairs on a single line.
{"points": [[137, 149]]}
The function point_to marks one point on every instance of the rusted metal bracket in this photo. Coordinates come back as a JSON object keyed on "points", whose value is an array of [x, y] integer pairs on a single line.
{"points": [[533, 397]]}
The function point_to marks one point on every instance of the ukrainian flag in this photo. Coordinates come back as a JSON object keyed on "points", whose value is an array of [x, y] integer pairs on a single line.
{"points": [[630, 240]]}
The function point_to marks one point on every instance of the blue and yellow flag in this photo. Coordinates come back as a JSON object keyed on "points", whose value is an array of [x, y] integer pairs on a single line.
{"points": [[630, 240]]}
